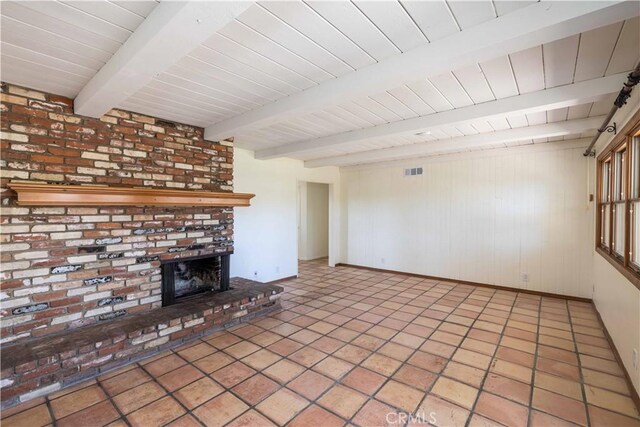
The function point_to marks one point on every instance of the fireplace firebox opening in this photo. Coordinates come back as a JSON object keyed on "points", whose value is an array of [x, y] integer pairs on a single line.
{"points": [[185, 277]]}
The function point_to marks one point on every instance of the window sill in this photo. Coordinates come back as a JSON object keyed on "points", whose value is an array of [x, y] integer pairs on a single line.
{"points": [[630, 274]]}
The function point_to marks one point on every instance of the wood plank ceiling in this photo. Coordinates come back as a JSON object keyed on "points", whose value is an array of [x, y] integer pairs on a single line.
{"points": [[277, 49]]}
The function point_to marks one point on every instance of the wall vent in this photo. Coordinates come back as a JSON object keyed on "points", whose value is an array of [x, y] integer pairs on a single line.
{"points": [[413, 171]]}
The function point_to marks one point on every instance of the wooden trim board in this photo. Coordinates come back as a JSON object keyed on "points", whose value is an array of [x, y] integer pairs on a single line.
{"points": [[41, 194], [465, 282]]}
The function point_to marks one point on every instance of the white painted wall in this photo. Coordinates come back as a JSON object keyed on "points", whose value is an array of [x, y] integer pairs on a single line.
{"points": [[265, 234], [488, 217], [617, 299], [314, 221]]}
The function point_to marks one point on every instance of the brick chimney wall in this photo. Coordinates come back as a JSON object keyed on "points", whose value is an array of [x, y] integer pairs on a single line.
{"points": [[65, 267]]}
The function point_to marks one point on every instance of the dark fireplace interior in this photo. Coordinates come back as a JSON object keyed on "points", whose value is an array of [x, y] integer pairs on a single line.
{"points": [[187, 277]]}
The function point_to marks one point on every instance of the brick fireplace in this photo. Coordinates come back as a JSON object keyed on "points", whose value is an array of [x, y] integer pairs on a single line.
{"points": [[67, 271]]}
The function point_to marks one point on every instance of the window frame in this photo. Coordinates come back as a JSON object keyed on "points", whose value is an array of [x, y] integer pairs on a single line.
{"points": [[622, 142]]}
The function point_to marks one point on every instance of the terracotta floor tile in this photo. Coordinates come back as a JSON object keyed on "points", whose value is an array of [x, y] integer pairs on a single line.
{"points": [[611, 401], [375, 413], [558, 354], [285, 347], [187, 420], [368, 342], [600, 417], [364, 380], [255, 389], [515, 356], [213, 362], [282, 406], [246, 331], [342, 401], [307, 356], [382, 332], [558, 385], [97, 415], [285, 329], [464, 373], [501, 410], [333, 367], [198, 392], [196, 351], [73, 388], [352, 353], [223, 340], [440, 413], [606, 381], [220, 410], [455, 392], [480, 421], [310, 384], [395, 351], [428, 361], [343, 334], [560, 369], [315, 416], [77, 401], [400, 396], [559, 406], [34, 417], [478, 346], [415, 377], [241, 349], [233, 374], [180, 377], [438, 348], [251, 418], [511, 370], [472, 358], [284, 371], [261, 359], [601, 365], [139, 396], [164, 365], [508, 388], [118, 384], [157, 413], [381, 364], [265, 338], [540, 419]]}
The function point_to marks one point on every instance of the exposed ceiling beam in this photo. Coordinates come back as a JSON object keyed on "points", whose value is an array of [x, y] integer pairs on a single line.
{"points": [[170, 32], [543, 100], [527, 27], [462, 143]]}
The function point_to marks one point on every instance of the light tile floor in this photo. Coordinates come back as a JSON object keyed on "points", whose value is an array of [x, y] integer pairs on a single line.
{"points": [[366, 348]]}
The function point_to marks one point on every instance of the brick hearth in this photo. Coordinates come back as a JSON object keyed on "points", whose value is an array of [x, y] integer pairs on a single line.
{"points": [[65, 268]]}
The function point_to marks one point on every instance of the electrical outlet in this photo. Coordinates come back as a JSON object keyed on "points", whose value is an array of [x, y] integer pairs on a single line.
{"points": [[381, 260], [277, 269], [255, 274], [635, 359], [525, 277]]}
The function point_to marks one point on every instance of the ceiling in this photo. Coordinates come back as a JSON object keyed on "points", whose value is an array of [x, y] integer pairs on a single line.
{"points": [[276, 52]]}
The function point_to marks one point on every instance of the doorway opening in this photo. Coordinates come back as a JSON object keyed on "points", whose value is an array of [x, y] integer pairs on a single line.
{"points": [[313, 221]]}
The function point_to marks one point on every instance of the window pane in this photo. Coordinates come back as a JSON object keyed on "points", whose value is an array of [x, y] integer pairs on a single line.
{"points": [[606, 169], [620, 172], [619, 229], [635, 233], [606, 220], [635, 168]]}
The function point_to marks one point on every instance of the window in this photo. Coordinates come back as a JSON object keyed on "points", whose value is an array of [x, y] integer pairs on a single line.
{"points": [[618, 209]]}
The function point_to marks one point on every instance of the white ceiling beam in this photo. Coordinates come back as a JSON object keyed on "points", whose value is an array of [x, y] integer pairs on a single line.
{"points": [[543, 100], [170, 32], [526, 27], [462, 143]]}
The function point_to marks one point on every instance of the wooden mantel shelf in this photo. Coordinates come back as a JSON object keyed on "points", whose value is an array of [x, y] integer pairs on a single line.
{"points": [[39, 194]]}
